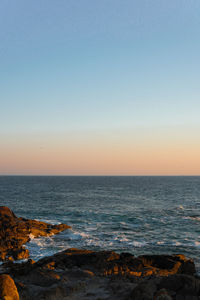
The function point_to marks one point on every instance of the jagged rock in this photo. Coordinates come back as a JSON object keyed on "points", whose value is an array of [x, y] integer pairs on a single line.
{"points": [[110, 263], [168, 264], [119, 276], [15, 232], [8, 290]]}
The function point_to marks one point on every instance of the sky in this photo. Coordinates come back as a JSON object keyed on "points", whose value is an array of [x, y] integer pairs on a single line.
{"points": [[106, 87]]}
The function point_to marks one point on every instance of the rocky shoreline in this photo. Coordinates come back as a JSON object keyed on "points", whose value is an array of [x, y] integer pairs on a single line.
{"points": [[15, 232], [76, 274]]}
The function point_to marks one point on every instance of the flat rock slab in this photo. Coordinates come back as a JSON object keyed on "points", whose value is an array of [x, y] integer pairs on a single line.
{"points": [[15, 232]]}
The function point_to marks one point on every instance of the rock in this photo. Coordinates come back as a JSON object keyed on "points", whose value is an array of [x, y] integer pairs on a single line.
{"points": [[6, 212], [182, 284], [144, 291], [15, 232], [76, 273], [83, 274], [178, 286], [21, 253], [109, 263], [164, 265], [162, 295], [8, 290]]}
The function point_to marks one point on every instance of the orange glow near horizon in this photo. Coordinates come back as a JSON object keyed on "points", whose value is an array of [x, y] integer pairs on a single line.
{"points": [[117, 154]]}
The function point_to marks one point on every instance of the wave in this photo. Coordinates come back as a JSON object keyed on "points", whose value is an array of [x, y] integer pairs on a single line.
{"points": [[50, 221], [181, 207], [139, 244], [195, 218], [75, 235]]}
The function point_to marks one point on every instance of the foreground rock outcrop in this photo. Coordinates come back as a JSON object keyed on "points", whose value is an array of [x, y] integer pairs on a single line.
{"points": [[82, 274], [15, 232], [76, 274], [8, 290]]}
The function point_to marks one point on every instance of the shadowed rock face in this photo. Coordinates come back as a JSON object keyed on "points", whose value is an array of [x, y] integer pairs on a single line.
{"points": [[84, 274], [15, 232], [111, 263]]}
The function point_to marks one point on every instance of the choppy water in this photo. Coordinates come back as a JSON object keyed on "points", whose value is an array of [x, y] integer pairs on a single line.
{"points": [[135, 214]]}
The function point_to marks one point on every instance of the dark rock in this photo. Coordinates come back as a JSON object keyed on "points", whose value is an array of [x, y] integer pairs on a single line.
{"points": [[144, 291], [169, 264], [85, 274], [182, 284], [110, 263], [162, 295], [75, 272], [15, 232], [21, 253]]}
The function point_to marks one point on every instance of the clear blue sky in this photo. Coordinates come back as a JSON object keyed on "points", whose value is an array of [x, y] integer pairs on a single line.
{"points": [[72, 67]]}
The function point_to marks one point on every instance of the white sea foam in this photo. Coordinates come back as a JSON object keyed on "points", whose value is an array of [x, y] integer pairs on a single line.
{"points": [[195, 218], [160, 243], [31, 236], [138, 244], [124, 239], [50, 221], [75, 235], [176, 243], [197, 244]]}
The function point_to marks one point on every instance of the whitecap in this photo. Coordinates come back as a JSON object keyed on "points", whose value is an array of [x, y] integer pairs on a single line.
{"points": [[75, 235], [31, 236], [176, 243], [124, 239], [197, 244], [49, 221], [160, 243], [195, 218], [138, 244]]}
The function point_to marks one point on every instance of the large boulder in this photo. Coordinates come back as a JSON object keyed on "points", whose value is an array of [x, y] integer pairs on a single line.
{"points": [[8, 290]]}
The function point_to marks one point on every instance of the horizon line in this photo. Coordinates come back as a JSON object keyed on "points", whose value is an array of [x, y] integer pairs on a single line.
{"points": [[102, 175]]}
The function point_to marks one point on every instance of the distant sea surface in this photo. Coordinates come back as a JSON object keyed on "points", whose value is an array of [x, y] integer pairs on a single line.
{"points": [[139, 215]]}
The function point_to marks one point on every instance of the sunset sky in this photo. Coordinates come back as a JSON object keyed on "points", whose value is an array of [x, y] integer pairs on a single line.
{"points": [[105, 87]]}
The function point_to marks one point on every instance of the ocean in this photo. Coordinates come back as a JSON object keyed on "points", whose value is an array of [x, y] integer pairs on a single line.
{"points": [[136, 214]]}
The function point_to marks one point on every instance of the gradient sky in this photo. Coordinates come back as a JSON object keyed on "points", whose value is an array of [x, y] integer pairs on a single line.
{"points": [[100, 87]]}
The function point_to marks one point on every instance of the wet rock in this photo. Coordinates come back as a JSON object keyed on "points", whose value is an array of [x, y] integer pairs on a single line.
{"points": [[15, 232], [8, 290]]}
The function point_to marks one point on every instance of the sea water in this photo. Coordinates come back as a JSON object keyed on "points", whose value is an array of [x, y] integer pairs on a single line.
{"points": [[136, 214]]}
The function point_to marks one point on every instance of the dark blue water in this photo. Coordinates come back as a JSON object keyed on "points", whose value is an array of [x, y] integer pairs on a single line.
{"points": [[135, 214]]}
